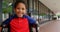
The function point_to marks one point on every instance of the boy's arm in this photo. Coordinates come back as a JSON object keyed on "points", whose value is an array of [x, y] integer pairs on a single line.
{"points": [[6, 22], [33, 23], [3, 24]]}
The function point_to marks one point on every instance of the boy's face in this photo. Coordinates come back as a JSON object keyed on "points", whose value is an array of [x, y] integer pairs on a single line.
{"points": [[20, 9]]}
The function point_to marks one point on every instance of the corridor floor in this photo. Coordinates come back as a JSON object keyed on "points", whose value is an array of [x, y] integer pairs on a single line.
{"points": [[52, 26]]}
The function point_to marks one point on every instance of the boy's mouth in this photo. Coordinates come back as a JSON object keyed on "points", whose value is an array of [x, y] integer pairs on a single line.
{"points": [[20, 15]]}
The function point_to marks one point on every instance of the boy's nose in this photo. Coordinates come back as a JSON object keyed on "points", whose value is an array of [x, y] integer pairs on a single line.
{"points": [[20, 10]]}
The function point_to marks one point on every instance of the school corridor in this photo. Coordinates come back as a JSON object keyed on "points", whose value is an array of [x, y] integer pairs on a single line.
{"points": [[45, 12], [53, 25]]}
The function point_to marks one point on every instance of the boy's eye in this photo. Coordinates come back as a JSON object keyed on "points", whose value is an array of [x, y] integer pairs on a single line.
{"points": [[22, 8]]}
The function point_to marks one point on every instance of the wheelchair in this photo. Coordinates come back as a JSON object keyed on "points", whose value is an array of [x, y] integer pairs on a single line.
{"points": [[5, 28]]}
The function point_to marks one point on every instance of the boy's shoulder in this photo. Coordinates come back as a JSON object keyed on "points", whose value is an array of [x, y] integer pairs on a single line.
{"points": [[31, 20]]}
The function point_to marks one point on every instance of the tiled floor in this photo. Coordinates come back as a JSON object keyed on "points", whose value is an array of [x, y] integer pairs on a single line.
{"points": [[53, 26]]}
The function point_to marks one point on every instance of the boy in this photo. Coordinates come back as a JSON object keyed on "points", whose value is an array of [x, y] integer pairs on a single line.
{"points": [[19, 22]]}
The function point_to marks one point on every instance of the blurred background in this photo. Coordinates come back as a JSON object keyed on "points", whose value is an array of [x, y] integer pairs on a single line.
{"points": [[45, 12], [36, 9]]}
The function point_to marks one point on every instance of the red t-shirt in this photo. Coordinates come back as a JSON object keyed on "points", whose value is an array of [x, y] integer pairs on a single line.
{"points": [[19, 25]]}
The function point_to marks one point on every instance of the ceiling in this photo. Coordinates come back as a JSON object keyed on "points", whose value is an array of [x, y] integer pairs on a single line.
{"points": [[54, 5]]}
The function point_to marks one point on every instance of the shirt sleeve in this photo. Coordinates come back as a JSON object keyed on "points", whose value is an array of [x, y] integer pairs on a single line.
{"points": [[6, 22], [31, 20]]}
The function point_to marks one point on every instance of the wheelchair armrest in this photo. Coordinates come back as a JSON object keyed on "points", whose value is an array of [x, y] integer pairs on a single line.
{"points": [[3, 28]]}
